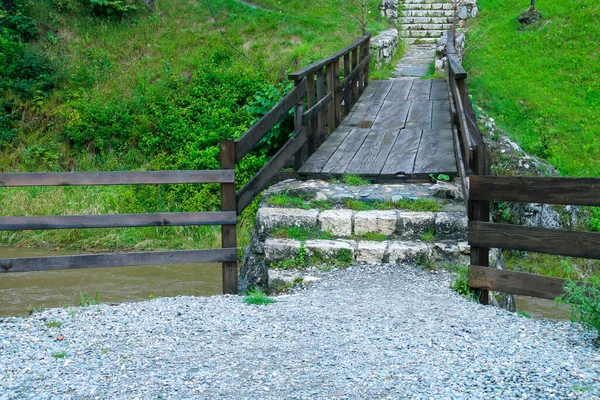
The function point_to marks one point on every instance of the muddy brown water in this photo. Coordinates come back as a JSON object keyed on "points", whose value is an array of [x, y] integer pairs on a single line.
{"points": [[21, 292], [543, 308]]}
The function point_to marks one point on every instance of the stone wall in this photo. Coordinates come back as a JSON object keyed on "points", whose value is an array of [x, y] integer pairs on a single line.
{"points": [[389, 9], [384, 46]]}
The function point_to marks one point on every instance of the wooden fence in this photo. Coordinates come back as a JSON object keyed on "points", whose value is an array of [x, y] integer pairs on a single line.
{"points": [[320, 86], [481, 188], [327, 94]]}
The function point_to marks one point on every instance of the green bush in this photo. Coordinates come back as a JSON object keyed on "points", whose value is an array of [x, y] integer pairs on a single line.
{"points": [[584, 298], [111, 8]]}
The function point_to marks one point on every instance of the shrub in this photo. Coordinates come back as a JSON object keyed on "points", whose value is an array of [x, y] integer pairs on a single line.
{"points": [[111, 8], [584, 298]]}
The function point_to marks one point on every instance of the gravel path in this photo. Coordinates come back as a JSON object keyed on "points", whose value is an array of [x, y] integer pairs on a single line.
{"points": [[366, 332]]}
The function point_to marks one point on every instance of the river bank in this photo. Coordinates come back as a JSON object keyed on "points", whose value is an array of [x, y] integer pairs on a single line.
{"points": [[369, 331]]}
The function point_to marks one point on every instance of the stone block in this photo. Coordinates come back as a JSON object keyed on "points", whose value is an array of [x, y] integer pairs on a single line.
{"points": [[401, 252], [382, 222], [451, 225], [269, 219], [371, 252], [328, 250], [277, 250], [412, 224], [336, 222]]}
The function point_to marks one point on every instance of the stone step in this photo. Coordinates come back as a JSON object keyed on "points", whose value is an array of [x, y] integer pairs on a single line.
{"points": [[426, 27], [344, 252], [346, 223], [428, 6], [425, 20], [427, 13], [410, 40], [421, 34], [407, 3]]}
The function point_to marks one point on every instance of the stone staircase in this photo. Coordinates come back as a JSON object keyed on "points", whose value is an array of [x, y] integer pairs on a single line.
{"points": [[424, 21]]}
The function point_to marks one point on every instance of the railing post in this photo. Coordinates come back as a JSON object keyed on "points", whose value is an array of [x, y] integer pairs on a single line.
{"points": [[298, 123], [367, 52], [310, 125], [228, 232], [480, 211], [321, 116], [361, 72], [329, 68], [355, 80], [337, 98], [347, 105]]}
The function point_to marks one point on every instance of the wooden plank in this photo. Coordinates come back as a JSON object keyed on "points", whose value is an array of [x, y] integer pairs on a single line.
{"points": [[319, 107], [317, 161], [301, 73], [400, 89], [466, 148], [539, 240], [364, 115], [574, 191], [420, 89], [345, 152], [455, 65], [419, 114], [228, 231], [320, 134], [391, 115], [250, 139], [401, 159], [31, 264], [439, 89], [261, 179], [116, 220], [373, 153], [371, 90], [440, 116], [515, 282], [21, 179], [436, 153], [382, 91]]}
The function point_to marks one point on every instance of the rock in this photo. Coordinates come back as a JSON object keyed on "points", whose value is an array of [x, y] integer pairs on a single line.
{"points": [[280, 249], [400, 252], [502, 300], [389, 9], [341, 197], [451, 225], [320, 196], [535, 214], [463, 12], [336, 222], [446, 190], [414, 223], [384, 45], [396, 198], [254, 270], [474, 12], [371, 252], [269, 219], [382, 222], [439, 64], [327, 250], [305, 188], [529, 16]]}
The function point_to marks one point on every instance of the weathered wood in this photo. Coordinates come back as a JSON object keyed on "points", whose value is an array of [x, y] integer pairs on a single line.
{"points": [[382, 91], [480, 211], [345, 152], [391, 115], [460, 166], [318, 160], [456, 67], [21, 179], [351, 79], [465, 140], [436, 153], [300, 155], [573, 191], [354, 74], [440, 114], [260, 180], [253, 136], [345, 89], [301, 73], [320, 136], [400, 90], [364, 115], [310, 124], [331, 88], [373, 153], [419, 115], [420, 90], [317, 108], [514, 282], [31, 264], [116, 220], [337, 93], [228, 231], [401, 159], [439, 89], [539, 240]]}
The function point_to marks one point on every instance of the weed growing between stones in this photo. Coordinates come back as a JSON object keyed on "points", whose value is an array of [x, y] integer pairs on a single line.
{"points": [[354, 180], [344, 257], [60, 354], [281, 286], [428, 236], [87, 301], [403, 204], [300, 233], [300, 262], [460, 282], [258, 297], [304, 202], [358, 205], [54, 324], [371, 236], [524, 314]]}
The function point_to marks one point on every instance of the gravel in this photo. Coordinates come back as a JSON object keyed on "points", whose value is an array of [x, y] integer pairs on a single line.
{"points": [[364, 332]]}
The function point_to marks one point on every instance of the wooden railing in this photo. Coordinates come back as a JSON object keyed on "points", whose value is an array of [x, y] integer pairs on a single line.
{"points": [[323, 96], [481, 188], [226, 218], [327, 94], [568, 191]]}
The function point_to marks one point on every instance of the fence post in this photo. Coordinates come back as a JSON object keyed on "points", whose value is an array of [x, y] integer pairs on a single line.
{"points": [[337, 99], [329, 70], [355, 80], [367, 52], [347, 89], [228, 232], [480, 211], [299, 116]]}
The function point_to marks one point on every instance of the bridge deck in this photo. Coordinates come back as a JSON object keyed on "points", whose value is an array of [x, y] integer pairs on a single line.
{"points": [[399, 128]]}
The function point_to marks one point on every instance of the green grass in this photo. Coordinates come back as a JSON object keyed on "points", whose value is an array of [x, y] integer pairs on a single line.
{"points": [[376, 237], [54, 324], [300, 233], [428, 236], [344, 258], [303, 202], [386, 71], [551, 265], [258, 297], [61, 354], [354, 180], [543, 88], [403, 204]]}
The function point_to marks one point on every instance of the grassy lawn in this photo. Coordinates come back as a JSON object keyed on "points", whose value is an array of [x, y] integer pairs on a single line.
{"points": [[541, 84]]}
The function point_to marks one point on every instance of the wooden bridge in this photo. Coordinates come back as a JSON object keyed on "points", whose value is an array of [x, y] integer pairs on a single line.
{"points": [[405, 128]]}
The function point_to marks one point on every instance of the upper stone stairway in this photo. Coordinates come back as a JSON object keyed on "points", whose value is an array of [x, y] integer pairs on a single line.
{"points": [[424, 21]]}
